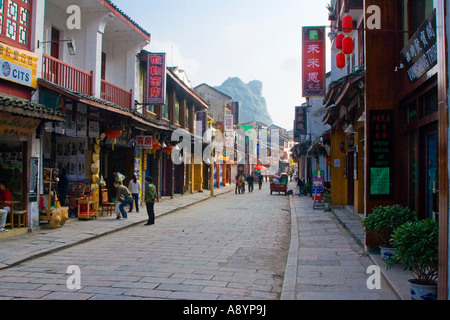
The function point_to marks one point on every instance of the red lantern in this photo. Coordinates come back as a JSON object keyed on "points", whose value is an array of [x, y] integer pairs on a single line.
{"points": [[347, 45], [347, 24], [340, 60], [156, 145], [339, 39], [168, 149], [113, 134]]}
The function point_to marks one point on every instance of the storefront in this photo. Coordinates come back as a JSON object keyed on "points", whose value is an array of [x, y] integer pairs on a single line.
{"points": [[21, 165]]}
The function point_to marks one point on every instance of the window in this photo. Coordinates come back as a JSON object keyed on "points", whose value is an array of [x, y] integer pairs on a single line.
{"points": [[15, 22], [417, 11], [165, 109], [177, 111]]}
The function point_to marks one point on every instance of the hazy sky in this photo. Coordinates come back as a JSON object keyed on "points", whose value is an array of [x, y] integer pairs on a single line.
{"points": [[251, 39]]}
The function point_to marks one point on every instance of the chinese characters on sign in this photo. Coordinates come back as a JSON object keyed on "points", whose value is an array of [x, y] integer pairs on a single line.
{"points": [[18, 65], [313, 61], [144, 142], [301, 123], [156, 78], [420, 53], [381, 128]]}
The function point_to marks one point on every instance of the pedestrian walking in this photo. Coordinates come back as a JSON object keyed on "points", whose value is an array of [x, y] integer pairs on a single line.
{"points": [[150, 197], [260, 181], [5, 196], [250, 181], [63, 186], [238, 184], [243, 183], [123, 198], [135, 188], [300, 185]]}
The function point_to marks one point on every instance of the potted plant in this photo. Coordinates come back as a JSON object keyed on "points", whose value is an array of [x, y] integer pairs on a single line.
{"points": [[326, 198], [383, 221], [331, 13], [417, 248], [307, 189]]}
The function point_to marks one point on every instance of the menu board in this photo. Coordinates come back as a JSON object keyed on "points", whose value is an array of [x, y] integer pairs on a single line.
{"points": [[381, 151], [34, 170]]}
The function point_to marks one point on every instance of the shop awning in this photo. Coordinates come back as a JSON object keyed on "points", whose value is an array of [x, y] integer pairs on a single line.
{"points": [[27, 108]]}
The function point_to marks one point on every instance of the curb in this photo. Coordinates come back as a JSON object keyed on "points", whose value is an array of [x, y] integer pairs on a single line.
{"points": [[94, 237], [288, 290]]}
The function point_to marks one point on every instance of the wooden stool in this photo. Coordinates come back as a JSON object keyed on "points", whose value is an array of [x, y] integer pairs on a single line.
{"points": [[21, 220]]}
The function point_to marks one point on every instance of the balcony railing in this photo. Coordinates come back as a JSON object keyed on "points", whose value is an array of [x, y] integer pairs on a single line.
{"points": [[67, 76], [74, 79], [115, 94]]}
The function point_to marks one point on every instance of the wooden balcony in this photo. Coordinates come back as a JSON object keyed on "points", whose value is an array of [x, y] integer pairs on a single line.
{"points": [[74, 79], [117, 95], [66, 76]]}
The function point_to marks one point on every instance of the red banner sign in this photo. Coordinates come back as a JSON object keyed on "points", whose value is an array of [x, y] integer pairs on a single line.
{"points": [[313, 61], [156, 91]]}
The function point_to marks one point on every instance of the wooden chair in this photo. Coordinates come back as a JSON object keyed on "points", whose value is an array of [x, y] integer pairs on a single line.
{"points": [[108, 208], [21, 218]]}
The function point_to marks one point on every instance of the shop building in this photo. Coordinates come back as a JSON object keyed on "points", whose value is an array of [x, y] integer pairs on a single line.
{"points": [[22, 117], [393, 111]]}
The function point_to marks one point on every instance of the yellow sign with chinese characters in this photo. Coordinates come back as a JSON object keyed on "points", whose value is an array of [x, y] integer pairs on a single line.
{"points": [[18, 65], [11, 125]]}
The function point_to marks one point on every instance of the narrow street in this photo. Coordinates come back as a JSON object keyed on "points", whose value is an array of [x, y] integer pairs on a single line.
{"points": [[230, 247]]}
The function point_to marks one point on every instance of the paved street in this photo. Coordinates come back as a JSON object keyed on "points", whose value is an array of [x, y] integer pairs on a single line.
{"points": [[230, 247], [325, 262], [251, 246]]}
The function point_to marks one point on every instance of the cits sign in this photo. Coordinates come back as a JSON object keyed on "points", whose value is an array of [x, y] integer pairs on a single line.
{"points": [[18, 65]]}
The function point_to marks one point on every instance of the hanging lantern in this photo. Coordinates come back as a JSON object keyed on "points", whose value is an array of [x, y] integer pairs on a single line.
{"points": [[156, 145], [113, 134], [347, 45], [347, 24], [168, 149], [340, 60], [339, 39]]}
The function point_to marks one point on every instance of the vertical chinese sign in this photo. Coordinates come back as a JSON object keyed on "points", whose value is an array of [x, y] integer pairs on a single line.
{"points": [[300, 123], [313, 61], [156, 91], [381, 131]]}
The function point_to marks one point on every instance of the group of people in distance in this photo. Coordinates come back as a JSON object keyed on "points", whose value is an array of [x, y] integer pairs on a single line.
{"points": [[241, 179]]}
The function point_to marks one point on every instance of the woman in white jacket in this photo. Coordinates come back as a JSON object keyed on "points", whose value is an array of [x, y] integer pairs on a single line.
{"points": [[135, 188]]}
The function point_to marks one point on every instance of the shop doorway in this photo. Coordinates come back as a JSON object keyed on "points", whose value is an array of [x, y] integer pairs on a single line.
{"points": [[430, 170]]}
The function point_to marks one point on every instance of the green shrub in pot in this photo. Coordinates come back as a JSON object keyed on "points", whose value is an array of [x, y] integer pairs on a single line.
{"points": [[417, 248], [385, 219]]}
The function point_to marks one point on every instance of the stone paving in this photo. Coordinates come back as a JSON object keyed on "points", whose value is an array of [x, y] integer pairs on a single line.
{"points": [[325, 259], [17, 249], [325, 262], [230, 247]]}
